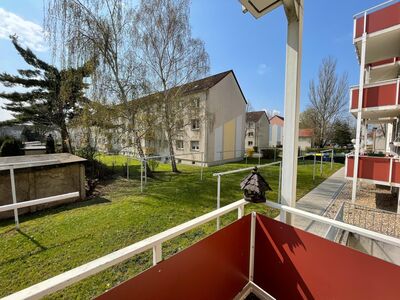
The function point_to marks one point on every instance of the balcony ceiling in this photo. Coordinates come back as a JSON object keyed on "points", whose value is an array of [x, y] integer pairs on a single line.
{"points": [[384, 72], [381, 113], [381, 45]]}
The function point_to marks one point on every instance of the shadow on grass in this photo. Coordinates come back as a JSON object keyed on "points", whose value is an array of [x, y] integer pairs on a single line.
{"points": [[40, 247], [55, 210]]}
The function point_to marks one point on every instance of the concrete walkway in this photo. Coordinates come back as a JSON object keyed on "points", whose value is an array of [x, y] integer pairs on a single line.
{"points": [[317, 201]]}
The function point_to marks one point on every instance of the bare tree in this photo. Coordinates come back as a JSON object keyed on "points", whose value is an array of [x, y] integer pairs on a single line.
{"points": [[173, 59], [327, 98], [105, 29]]}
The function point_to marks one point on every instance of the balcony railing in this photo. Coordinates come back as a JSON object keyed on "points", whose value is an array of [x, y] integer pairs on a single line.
{"points": [[254, 250], [379, 170], [377, 95], [377, 18]]}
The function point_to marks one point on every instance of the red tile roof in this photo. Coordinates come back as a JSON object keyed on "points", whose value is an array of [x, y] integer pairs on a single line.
{"points": [[306, 132]]}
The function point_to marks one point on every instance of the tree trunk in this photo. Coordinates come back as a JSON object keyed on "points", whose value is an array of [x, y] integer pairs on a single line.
{"points": [[65, 141], [140, 151], [172, 154]]}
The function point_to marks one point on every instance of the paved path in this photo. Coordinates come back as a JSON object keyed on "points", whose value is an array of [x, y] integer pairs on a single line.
{"points": [[317, 202]]}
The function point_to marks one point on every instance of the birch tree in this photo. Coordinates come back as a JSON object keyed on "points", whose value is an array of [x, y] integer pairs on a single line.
{"points": [[173, 58], [78, 29], [328, 98]]}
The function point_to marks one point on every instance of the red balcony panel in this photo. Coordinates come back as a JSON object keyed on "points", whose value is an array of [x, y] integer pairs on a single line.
{"points": [[369, 167], [289, 263], [396, 171], [293, 264], [214, 268], [384, 62], [375, 96], [378, 20]]}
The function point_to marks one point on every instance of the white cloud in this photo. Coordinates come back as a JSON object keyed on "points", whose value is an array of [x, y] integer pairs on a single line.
{"points": [[272, 112], [263, 69], [29, 33]]}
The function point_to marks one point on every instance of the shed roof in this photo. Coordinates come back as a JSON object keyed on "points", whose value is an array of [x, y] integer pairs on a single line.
{"points": [[26, 161]]}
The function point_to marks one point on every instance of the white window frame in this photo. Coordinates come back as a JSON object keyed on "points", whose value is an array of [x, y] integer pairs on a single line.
{"points": [[177, 145], [250, 143], [196, 149], [195, 122]]}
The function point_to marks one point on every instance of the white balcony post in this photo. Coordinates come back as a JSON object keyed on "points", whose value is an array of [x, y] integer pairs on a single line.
{"points": [[157, 254], [359, 116], [240, 211], [398, 201], [252, 245], [218, 197], [294, 14], [14, 196], [389, 136]]}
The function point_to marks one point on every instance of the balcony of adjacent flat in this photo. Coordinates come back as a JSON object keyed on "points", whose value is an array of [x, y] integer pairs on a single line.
{"points": [[384, 70], [376, 170], [382, 26], [380, 100]]}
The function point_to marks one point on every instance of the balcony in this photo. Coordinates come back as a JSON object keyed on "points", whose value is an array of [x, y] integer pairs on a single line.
{"points": [[387, 69], [382, 25], [377, 170], [254, 254], [288, 263], [380, 100]]}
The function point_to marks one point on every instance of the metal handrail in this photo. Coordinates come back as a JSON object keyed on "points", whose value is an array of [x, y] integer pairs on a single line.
{"points": [[375, 8], [154, 242]]}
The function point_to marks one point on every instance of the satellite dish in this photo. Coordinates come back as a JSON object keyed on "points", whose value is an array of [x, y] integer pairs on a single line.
{"points": [[258, 8]]}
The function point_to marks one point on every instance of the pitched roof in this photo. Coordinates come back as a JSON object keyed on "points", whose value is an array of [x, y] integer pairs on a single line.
{"points": [[197, 86], [254, 116], [277, 116], [306, 132]]}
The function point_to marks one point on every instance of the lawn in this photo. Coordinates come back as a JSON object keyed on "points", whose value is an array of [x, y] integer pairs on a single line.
{"points": [[59, 239]]}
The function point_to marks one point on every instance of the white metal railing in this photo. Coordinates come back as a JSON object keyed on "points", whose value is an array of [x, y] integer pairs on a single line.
{"points": [[143, 164], [154, 242], [220, 174], [338, 224], [15, 205], [332, 231], [375, 8]]}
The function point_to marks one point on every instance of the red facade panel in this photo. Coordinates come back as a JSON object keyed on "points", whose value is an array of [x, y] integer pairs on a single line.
{"points": [[396, 172], [293, 264], [214, 268], [379, 20], [369, 167], [376, 96]]}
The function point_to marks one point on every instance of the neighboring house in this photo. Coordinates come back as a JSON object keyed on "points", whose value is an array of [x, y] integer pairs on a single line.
{"points": [[306, 138], [257, 130], [276, 131], [215, 136]]}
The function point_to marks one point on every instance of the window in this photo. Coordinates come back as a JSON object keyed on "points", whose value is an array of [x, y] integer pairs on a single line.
{"points": [[251, 134], [194, 145], [196, 102], [250, 143], [179, 144], [179, 125], [195, 124]]}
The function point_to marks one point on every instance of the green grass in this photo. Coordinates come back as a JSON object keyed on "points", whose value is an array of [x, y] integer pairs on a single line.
{"points": [[59, 239]]}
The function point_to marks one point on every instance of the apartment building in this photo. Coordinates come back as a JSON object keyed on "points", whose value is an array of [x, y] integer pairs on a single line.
{"points": [[276, 131], [257, 130], [375, 100], [214, 135]]}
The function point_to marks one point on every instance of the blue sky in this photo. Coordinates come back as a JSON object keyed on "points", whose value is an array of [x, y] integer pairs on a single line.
{"points": [[254, 49]]}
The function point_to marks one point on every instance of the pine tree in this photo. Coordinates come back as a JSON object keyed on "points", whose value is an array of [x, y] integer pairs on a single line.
{"points": [[53, 97]]}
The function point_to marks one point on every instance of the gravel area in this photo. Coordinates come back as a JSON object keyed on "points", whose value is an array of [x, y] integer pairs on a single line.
{"points": [[375, 208]]}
